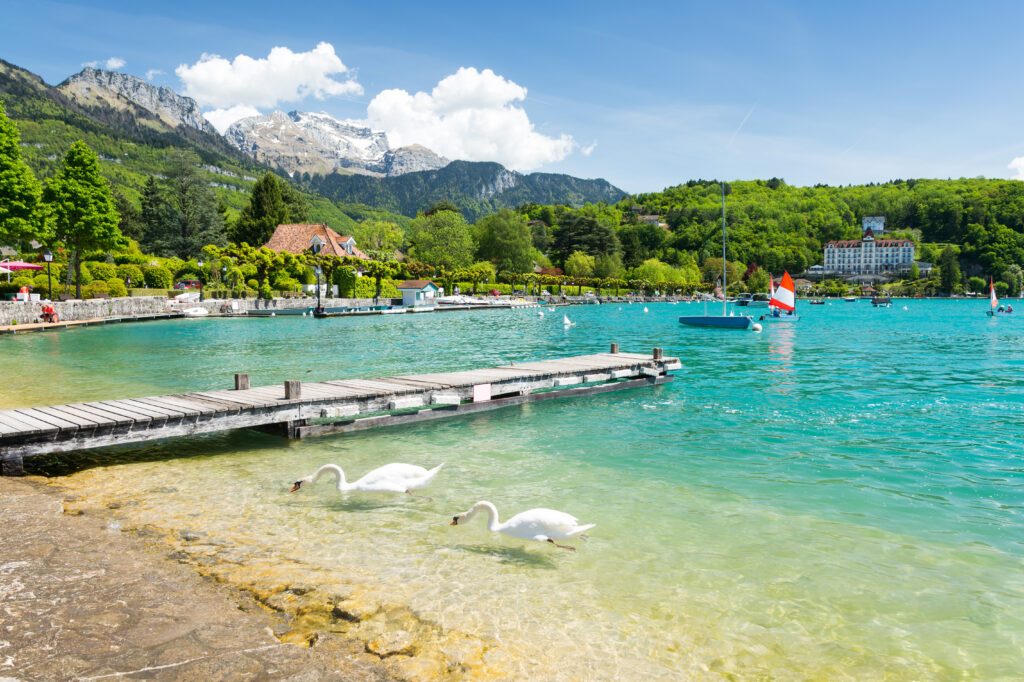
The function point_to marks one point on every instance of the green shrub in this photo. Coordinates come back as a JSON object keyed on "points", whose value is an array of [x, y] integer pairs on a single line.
{"points": [[86, 273], [21, 281], [157, 277], [132, 272], [132, 259], [366, 287], [266, 292], [103, 271], [284, 283], [252, 284], [148, 292], [40, 283], [116, 287], [94, 289]]}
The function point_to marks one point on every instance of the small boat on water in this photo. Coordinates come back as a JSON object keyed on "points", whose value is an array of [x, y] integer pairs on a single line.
{"points": [[723, 321], [783, 302], [850, 299], [816, 301], [195, 312], [881, 302], [996, 310]]}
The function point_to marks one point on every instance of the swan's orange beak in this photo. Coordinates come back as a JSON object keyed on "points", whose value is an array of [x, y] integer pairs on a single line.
{"points": [[295, 486]]}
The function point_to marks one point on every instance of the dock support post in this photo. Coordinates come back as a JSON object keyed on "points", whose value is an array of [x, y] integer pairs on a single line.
{"points": [[657, 354], [615, 348], [241, 382], [12, 465], [292, 390]]}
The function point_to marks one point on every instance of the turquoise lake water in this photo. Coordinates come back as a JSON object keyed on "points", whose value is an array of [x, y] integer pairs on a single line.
{"points": [[842, 497]]}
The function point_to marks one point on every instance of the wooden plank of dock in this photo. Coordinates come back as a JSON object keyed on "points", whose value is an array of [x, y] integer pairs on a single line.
{"points": [[32, 431]]}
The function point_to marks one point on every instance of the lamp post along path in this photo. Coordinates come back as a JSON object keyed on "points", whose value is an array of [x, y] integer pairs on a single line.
{"points": [[48, 257], [315, 245]]}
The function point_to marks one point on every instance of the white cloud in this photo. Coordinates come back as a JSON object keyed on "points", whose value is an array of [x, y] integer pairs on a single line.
{"points": [[589, 149], [153, 73], [115, 63], [282, 76], [221, 119], [1017, 166], [469, 115], [90, 65]]}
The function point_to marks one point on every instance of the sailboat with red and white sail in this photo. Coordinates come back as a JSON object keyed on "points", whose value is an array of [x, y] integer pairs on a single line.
{"points": [[993, 302], [783, 301]]}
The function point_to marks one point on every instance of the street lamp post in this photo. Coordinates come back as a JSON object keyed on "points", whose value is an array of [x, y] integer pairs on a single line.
{"points": [[315, 246], [200, 263], [48, 257]]}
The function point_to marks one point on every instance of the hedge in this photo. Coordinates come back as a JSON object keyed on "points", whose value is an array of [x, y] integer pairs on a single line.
{"points": [[157, 277]]}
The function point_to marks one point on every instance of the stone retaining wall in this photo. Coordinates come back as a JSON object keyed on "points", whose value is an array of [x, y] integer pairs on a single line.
{"points": [[17, 312]]}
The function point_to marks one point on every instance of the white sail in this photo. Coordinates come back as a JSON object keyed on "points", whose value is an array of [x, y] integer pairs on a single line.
{"points": [[785, 296]]}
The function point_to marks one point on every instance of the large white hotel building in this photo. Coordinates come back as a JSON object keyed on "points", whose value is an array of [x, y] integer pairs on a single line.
{"points": [[868, 255]]}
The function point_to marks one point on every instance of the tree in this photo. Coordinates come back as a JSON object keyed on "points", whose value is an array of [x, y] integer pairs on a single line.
{"points": [[949, 278], [976, 285], [20, 193], [476, 273], [197, 219], [380, 270], [1014, 278], [579, 265], [915, 271], [584, 233], [80, 201], [758, 280], [264, 212], [442, 239], [504, 239], [379, 235]]}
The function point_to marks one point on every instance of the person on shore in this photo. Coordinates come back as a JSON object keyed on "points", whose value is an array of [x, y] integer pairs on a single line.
{"points": [[49, 314]]}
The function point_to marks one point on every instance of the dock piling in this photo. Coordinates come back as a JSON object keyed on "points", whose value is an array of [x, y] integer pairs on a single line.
{"points": [[241, 382], [657, 354], [292, 390], [615, 349]]}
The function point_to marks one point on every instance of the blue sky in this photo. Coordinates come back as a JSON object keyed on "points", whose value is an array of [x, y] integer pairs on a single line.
{"points": [[658, 93]]}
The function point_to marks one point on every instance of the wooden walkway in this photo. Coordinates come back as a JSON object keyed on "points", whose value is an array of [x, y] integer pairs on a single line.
{"points": [[293, 406], [51, 326]]}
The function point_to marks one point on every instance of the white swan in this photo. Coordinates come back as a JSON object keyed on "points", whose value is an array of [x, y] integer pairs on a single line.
{"points": [[566, 322], [540, 313], [645, 309], [542, 525], [390, 478]]}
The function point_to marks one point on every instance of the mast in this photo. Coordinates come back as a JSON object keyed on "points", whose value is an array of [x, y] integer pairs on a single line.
{"points": [[725, 265]]}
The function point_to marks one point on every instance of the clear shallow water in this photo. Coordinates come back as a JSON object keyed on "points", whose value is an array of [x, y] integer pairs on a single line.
{"points": [[841, 498]]}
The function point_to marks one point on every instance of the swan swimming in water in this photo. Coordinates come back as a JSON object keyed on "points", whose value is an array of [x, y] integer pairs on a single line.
{"points": [[541, 525], [390, 478], [566, 322]]}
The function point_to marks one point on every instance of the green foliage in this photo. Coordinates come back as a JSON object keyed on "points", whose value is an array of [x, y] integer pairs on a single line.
{"points": [[578, 231], [976, 285], [271, 203], [131, 273], [367, 288], [157, 277], [20, 193], [378, 235], [442, 239], [711, 271], [758, 281], [116, 287], [181, 215], [505, 240], [80, 203], [950, 277], [97, 289], [102, 271], [580, 264], [915, 271]]}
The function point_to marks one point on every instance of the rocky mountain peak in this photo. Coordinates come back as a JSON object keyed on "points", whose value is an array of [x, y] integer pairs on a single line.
{"points": [[96, 87]]}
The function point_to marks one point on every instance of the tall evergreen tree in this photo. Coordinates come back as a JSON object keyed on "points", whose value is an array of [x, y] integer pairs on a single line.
{"points": [[196, 218], [272, 202], [82, 206], [20, 218]]}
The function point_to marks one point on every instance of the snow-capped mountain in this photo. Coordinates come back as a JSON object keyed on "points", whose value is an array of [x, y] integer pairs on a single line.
{"points": [[317, 143]]}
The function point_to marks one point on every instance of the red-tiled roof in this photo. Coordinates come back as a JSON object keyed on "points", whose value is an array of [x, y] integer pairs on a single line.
{"points": [[416, 284], [296, 238]]}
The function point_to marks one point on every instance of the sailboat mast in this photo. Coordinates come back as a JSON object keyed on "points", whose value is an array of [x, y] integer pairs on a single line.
{"points": [[725, 266]]}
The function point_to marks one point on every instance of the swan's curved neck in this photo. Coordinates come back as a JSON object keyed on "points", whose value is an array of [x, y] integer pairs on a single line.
{"points": [[492, 515], [332, 469]]}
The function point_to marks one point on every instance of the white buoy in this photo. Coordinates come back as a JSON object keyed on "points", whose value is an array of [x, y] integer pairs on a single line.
{"points": [[756, 327]]}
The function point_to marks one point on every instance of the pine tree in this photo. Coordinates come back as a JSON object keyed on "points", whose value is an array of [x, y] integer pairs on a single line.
{"points": [[82, 206], [20, 217], [195, 218], [266, 210]]}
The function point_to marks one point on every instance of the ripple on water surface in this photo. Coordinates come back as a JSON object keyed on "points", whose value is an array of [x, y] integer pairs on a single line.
{"points": [[842, 498]]}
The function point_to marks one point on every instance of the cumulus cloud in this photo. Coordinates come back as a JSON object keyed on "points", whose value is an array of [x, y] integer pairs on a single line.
{"points": [[115, 63], [469, 115], [1017, 166], [153, 73], [589, 149], [221, 119], [281, 76]]}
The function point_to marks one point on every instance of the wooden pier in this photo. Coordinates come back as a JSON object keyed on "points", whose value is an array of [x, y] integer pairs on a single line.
{"points": [[298, 410]]}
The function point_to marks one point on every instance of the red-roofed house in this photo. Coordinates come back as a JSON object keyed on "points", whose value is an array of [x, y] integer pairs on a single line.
{"points": [[298, 237]]}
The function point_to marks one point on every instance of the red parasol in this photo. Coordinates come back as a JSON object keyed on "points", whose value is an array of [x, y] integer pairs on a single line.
{"points": [[19, 265]]}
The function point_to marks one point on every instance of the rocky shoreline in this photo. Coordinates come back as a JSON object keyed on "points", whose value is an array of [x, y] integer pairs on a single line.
{"points": [[88, 599]]}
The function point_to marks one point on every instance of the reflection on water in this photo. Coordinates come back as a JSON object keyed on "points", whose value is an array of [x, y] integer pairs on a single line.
{"points": [[809, 502]]}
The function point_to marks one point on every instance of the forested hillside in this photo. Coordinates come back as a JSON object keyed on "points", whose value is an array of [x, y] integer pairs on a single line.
{"points": [[779, 226]]}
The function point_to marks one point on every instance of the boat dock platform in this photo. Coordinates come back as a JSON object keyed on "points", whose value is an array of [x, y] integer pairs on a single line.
{"points": [[51, 326], [300, 409]]}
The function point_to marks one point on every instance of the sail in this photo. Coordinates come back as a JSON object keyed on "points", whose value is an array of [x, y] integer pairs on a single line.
{"points": [[992, 300], [784, 297]]}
